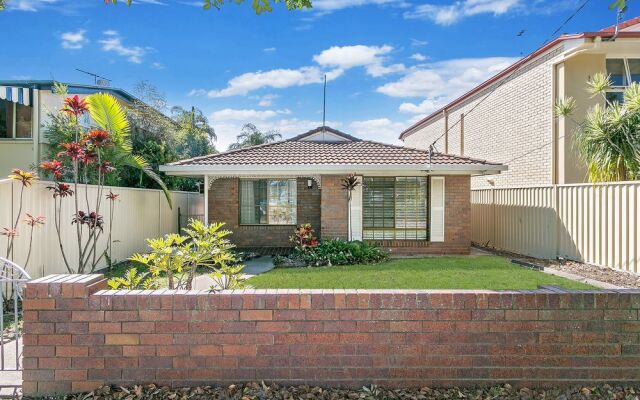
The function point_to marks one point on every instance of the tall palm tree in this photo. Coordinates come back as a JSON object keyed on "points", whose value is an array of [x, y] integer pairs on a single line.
{"points": [[608, 140], [252, 136]]}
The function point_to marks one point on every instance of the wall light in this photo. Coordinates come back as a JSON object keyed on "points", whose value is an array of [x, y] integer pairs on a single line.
{"points": [[309, 183]]}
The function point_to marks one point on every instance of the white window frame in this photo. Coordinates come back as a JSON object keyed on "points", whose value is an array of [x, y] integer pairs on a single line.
{"points": [[627, 70]]}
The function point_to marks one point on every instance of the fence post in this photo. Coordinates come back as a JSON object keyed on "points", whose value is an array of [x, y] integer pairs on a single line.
{"points": [[493, 217], [556, 213]]}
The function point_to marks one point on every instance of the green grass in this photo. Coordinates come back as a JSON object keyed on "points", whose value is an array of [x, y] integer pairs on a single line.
{"points": [[473, 272]]}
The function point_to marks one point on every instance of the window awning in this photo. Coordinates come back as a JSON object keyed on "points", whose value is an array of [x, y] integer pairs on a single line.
{"points": [[18, 95]]}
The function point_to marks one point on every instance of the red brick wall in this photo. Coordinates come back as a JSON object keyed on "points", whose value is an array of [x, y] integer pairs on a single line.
{"points": [[457, 223], [334, 213], [223, 207], [77, 339]]}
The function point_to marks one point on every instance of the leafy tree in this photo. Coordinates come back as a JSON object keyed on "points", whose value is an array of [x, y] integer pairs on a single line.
{"points": [[194, 135], [608, 140], [252, 136]]}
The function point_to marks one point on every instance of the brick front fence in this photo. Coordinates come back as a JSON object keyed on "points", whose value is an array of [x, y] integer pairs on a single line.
{"points": [[78, 336]]}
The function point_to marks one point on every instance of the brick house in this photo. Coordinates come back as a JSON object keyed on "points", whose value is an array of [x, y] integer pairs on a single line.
{"points": [[411, 201], [515, 108]]}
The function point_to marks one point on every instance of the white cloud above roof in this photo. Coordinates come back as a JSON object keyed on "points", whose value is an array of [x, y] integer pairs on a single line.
{"points": [[448, 14], [74, 40], [113, 43]]}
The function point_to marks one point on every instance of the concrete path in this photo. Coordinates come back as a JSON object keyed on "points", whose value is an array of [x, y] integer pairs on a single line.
{"points": [[252, 268], [10, 378]]}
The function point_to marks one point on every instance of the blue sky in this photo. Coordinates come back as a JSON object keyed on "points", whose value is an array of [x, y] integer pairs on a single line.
{"points": [[388, 62]]}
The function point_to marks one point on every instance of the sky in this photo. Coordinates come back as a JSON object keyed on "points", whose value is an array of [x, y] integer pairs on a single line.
{"points": [[387, 62]]}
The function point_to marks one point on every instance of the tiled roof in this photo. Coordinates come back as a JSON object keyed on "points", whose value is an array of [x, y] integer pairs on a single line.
{"points": [[351, 152]]}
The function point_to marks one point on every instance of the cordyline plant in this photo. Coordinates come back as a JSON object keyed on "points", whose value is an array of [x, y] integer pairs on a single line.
{"points": [[304, 237], [88, 158], [608, 140], [350, 183]]}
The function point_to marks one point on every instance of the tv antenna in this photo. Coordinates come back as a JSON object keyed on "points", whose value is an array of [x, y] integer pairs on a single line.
{"points": [[98, 80], [324, 105]]}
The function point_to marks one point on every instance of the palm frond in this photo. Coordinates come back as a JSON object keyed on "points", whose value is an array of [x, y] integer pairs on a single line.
{"points": [[109, 115]]}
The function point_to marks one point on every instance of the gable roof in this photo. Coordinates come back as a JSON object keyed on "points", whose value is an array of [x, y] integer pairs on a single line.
{"points": [[349, 153], [627, 29]]}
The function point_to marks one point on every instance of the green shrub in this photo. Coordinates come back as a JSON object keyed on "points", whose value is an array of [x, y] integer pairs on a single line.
{"points": [[335, 252]]}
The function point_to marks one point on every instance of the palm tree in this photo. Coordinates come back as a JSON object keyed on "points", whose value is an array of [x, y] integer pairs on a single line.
{"points": [[194, 136], [608, 140], [109, 115], [251, 136]]}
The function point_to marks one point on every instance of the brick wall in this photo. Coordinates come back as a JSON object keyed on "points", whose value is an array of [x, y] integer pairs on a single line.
{"points": [[223, 207], [514, 121], [457, 224], [78, 337], [333, 205]]}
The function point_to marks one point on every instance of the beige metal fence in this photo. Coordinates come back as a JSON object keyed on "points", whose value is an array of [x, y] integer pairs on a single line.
{"points": [[138, 214], [593, 223]]}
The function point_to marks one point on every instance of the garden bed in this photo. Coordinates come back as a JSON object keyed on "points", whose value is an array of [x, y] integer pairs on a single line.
{"points": [[262, 391], [447, 272]]}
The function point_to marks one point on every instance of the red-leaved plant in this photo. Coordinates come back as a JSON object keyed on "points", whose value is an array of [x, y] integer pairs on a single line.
{"points": [[303, 237]]}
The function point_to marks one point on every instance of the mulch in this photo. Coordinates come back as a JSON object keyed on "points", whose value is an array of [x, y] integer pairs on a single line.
{"points": [[262, 391], [602, 274]]}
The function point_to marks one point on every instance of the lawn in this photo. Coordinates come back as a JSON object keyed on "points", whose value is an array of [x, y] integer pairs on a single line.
{"points": [[473, 272]]}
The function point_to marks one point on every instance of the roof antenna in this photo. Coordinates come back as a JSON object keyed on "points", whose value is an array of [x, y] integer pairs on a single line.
{"points": [[97, 79], [619, 16], [324, 106]]}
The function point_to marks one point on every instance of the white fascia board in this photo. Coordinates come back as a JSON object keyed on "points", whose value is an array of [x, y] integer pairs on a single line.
{"points": [[240, 170]]}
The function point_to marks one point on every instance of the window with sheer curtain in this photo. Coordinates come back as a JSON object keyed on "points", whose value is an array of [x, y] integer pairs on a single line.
{"points": [[268, 201], [395, 208]]}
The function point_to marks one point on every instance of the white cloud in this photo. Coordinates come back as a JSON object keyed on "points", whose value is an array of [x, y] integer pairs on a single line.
{"points": [[440, 82], [113, 43], [418, 57], [380, 129], [370, 57], [449, 14], [74, 40], [266, 100], [246, 115], [418, 42], [157, 65], [269, 49], [29, 5], [276, 78]]}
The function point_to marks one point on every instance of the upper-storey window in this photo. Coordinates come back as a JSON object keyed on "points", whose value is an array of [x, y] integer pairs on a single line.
{"points": [[15, 120], [621, 72]]}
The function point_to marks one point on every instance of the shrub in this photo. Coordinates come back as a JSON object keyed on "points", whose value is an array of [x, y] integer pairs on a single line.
{"points": [[304, 237], [334, 252]]}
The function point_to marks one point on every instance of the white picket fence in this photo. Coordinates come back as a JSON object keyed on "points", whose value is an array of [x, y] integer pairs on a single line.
{"points": [[139, 214], [592, 223]]}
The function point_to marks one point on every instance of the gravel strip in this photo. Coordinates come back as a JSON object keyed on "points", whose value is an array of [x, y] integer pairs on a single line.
{"points": [[261, 391], [602, 274]]}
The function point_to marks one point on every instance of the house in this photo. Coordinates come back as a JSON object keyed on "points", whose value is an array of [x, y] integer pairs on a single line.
{"points": [[25, 106], [411, 201], [510, 117]]}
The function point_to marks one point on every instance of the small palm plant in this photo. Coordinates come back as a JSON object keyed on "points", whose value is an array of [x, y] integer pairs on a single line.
{"points": [[350, 183], [608, 140]]}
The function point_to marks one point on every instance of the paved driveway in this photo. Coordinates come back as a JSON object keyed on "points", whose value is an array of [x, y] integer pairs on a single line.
{"points": [[252, 267]]}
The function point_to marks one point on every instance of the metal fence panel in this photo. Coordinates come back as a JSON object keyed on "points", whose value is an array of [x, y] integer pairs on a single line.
{"points": [[592, 223]]}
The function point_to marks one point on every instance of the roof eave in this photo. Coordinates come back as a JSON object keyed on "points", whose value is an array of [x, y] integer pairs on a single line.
{"points": [[284, 170]]}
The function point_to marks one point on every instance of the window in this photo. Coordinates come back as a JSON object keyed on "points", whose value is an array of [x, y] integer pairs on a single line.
{"points": [[268, 201], [621, 72], [15, 120], [395, 208]]}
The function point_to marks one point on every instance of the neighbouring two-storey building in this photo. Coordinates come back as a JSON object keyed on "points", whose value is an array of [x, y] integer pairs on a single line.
{"points": [[510, 118], [25, 107]]}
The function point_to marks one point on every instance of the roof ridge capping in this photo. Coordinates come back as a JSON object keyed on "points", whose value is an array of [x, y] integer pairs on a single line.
{"points": [[608, 31], [327, 129]]}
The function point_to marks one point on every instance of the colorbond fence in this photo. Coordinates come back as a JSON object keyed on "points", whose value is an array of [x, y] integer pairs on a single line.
{"points": [[593, 223], [138, 214]]}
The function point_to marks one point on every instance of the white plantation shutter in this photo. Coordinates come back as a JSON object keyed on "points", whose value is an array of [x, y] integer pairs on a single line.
{"points": [[356, 212], [437, 208]]}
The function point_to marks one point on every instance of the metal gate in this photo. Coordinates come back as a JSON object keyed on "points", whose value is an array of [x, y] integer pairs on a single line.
{"points": [[12, 281]]}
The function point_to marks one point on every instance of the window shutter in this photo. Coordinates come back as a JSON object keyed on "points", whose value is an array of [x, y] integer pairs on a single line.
{"points": [[356, 212], [437, 208]]}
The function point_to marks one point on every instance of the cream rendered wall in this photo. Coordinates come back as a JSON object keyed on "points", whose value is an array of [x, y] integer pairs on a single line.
{"points": [[574, 74], [515, 121], [15, 154]]}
